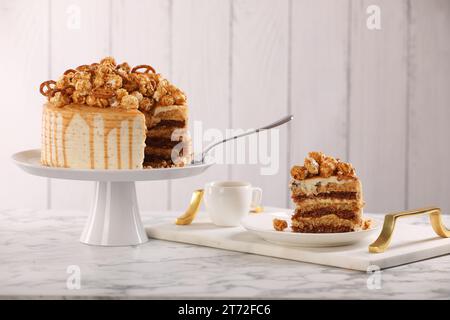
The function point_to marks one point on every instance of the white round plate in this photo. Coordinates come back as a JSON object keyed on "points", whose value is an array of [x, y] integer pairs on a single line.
{"points": [[261, 225], [30, 162]]}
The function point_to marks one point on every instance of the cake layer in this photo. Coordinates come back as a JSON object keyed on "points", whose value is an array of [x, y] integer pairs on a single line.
{"points": [[174, 113], [325, 224], [332, 204], [158, 152], [158, 163], [329, 195], [172, 124], [165, 132], [343, 214], [79, 136], [167, 116], [321, 229], [161, 142], [316, 185]]}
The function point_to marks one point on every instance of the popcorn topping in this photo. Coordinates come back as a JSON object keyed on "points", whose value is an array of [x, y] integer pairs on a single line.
{"points": [[318, 164], [312, 166], [299, 172], [106, 84]]}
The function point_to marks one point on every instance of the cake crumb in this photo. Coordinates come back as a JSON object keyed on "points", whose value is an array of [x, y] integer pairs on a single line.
{"points": [[367, 224], [279, 225]]}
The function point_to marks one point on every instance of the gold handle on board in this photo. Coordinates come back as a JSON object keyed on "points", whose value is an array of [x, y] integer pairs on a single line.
{"points": [[191, 212], [385, 237]]}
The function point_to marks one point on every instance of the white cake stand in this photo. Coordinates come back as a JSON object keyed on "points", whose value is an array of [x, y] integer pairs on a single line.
{"points": [[114, 219]]}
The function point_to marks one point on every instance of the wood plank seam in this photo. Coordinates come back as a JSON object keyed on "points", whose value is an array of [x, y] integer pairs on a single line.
{"points": [[348, 79], [48, 202], [230, 75], [289, 100], [408, 100]]}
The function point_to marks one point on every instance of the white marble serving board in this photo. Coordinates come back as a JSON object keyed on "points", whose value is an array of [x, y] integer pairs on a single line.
{"points": [[411, 242]]}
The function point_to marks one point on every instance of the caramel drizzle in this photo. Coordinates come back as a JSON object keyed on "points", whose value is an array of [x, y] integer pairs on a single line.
{"points": [[55, 140], [65, 125], [119, 156], [105, 146], [44, 137], [89, 119], [106, 133], [130, 143], [50, 160]]}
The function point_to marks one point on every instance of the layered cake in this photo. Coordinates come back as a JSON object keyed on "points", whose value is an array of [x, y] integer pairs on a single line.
{"points": [[327, 195], [109, 116]]}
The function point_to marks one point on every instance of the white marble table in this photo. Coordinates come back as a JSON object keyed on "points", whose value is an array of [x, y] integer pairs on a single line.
{"points": [[37, 248]]}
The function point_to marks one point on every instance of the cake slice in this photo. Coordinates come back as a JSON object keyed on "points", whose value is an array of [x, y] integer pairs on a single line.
{"points": [[327, 195], [168, 142]]}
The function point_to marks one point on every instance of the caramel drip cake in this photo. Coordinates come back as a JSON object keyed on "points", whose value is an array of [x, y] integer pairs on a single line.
{"points": [[327, 195], [109, 116]]}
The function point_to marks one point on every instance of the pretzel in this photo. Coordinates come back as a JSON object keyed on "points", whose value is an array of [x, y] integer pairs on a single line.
{"points": [[50, 86], [83, 67], [103, 93], [69, 71], [143, 66]]}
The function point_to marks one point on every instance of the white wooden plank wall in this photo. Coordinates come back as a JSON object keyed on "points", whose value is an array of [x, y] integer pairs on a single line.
{"points": [[378, 98], [378, 102], [201, 42], [259, 84], [319, 88], [24, 36], [429, 113]]}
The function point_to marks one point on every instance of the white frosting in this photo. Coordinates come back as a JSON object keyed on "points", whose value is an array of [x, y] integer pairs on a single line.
{"points": [[78, 145], [309, 186], [166, 109]]}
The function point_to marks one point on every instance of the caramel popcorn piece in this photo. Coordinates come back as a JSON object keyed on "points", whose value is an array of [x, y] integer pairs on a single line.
{"points": [[91, 100], [83, 86], [167, 100], [146, 104], [299, 172], [109, 62], [114, 81], [59, 99], [345, 169], [129, 102], [120, 93], [327, 167], [138, 95], [279, 225], [316, 155], [179, 97], [312, 166]]}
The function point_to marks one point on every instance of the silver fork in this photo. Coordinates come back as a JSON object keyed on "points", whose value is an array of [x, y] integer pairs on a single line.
{"points": [[268, 127]]}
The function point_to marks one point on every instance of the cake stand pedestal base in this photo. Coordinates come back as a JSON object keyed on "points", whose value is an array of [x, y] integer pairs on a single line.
{"points": [[114, 219]]}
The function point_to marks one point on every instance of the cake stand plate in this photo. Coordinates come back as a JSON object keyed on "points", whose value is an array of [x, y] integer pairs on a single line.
{"points": [[114, 218]]}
